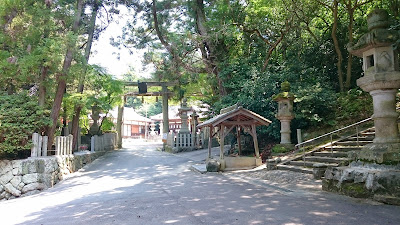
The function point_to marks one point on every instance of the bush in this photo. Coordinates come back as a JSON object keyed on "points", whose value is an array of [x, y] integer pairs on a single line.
{"points": [[20, 116], [353, 105]]}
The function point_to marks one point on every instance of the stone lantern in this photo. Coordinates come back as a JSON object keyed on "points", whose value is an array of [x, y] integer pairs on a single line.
{"points": [[285, 111], [183, 110], [382, 80], [94, 129]]}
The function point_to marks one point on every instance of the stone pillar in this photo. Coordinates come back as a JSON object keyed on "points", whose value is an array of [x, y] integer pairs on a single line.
{"points": [[382, 80], [165, 109], [285, 112], [165, 116], [184, 117]]}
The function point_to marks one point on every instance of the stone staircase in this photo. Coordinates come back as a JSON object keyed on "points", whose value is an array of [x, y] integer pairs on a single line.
{"points": [[337, 154]]}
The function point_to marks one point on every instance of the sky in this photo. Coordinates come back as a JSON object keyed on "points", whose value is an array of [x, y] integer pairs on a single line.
{"points": [[103, 54]]}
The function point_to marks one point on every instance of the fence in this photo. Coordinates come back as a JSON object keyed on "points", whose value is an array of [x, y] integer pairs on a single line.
{"points": [[104, 142], [39, 148], [64, 145], [183, 140]]}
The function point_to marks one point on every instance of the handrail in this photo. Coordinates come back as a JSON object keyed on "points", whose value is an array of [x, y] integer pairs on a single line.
{"points": [[333, 132], [331, 135]]}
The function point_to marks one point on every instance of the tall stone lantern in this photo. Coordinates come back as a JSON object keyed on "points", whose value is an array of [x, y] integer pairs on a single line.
{"points": [[183, 110], [382, 80], [94, 129], [285, 111]]}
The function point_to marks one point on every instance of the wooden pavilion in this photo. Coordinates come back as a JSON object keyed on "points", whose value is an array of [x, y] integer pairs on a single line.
{"points": [[241, 118]]}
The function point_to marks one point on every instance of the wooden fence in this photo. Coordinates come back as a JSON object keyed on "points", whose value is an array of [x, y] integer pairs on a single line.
{"points": [[39, 148], [64, 145]]}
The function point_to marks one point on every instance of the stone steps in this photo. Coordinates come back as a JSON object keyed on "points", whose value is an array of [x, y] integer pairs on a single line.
{"points": [[353, 143], [342, 148], [326, 159], [309, 163], [329, 156], [295, 168], [371, 134], [361, 138]]}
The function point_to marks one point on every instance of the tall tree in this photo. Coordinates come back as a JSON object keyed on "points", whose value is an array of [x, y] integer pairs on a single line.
{"points": [[351, 7], [207, 45], [334, 7], [89, 42], [61, 77]]}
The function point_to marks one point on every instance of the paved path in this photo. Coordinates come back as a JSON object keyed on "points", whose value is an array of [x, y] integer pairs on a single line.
{"points": [[140, 185]]}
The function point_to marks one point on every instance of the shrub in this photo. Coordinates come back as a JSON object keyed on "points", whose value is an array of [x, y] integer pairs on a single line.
{"points": [[20, 116]]}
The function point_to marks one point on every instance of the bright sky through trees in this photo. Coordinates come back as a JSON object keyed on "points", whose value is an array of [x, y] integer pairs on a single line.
{"points": [[118, 61]]}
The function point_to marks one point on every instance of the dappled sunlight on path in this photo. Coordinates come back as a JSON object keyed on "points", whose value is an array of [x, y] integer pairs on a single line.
{"points": [[138, 185]]}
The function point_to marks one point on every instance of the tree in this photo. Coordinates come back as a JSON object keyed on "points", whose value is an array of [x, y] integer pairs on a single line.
{"points": [[62, 76]]}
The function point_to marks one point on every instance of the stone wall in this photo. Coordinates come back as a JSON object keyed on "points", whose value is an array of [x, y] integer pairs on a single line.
{"points": [[365, 180], [29, 176]]}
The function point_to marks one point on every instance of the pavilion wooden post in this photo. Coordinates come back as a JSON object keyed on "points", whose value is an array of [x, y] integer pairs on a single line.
{"points": [[221, 147], [238, 140], [254, 134], [210, 134], [222, 141]]}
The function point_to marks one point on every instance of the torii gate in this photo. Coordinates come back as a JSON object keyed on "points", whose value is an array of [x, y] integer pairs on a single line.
{"points": [[165, 93]]}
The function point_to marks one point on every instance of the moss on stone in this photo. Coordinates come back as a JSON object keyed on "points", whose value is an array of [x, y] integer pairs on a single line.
{"points": [[356, 190], [282, 148], [283, 95]]}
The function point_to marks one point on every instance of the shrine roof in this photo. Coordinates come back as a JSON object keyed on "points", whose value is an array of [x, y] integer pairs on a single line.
{"points": [[236, 115]]}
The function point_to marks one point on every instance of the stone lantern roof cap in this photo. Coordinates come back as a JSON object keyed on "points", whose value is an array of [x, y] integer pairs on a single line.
{"points": [[285, 92], [378, 36]]}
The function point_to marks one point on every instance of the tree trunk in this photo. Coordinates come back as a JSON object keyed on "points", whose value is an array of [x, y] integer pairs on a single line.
{"points": [[336, 43], [42, 86], [78, 108], [120, 124], [62, 76], [207, 48], [45, 69], [350, 58]]}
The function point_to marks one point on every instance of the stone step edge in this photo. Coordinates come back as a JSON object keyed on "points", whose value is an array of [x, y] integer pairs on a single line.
{"points": [[312, 163], [295, 169]]}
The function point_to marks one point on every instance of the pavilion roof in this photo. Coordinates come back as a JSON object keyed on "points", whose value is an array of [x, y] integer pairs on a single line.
{"points": [[235, 115]]}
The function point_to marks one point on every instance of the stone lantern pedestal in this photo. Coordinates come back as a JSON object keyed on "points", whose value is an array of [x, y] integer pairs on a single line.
{"points": [[285, 114], [183, 110], [376, 171]]}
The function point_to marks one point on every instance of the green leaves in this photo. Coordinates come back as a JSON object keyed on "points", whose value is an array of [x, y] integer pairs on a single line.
{"points": [[20, 116]]}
